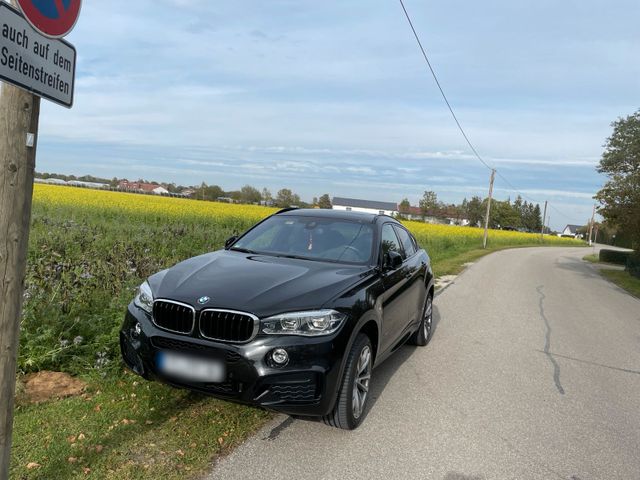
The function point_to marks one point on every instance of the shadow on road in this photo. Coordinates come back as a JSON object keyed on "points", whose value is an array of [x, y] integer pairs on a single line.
{"points": [[577, 265], [460, 476], [383, 374]]}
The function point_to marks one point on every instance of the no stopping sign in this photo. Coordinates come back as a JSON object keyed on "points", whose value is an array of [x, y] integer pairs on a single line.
{"points": [[52, 18]]}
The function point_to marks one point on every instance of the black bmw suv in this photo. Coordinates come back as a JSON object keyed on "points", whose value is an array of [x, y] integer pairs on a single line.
{"points": [[292, 315]]}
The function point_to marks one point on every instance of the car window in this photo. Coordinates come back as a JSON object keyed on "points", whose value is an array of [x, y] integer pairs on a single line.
{"points": [[389, 240], [311, 238], [405, 239]]}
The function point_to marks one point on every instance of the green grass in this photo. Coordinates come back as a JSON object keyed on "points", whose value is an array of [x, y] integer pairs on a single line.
{"points": [[592, 257], [127, 428], [624, 280]]}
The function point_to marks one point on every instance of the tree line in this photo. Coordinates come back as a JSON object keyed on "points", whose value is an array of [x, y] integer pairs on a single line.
{"points": [[620, 196], [518, 214]]}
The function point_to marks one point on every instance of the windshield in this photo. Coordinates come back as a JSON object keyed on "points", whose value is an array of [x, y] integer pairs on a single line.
{"points": [[311, 238]]}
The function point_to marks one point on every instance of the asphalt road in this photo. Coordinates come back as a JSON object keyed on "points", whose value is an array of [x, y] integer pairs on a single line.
{"points": [[533, 372]]}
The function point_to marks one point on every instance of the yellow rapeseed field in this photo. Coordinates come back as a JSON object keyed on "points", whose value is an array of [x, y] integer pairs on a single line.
{"points": [[440, 240], [131, 203]]}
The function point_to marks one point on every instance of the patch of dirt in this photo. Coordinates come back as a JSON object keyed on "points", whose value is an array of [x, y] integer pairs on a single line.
{"points": [[444, 281], [44, 386]]}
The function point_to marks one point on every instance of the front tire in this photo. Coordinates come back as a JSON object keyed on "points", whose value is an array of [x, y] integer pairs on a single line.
{"points": [[423, 334], [350, 407]]}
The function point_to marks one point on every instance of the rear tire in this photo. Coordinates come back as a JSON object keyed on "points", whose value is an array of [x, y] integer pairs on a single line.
{"points": [[351, 404], [422, 336]]}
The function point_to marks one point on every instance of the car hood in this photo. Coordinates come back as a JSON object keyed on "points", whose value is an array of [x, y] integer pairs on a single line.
{"points": [[259, 284]]}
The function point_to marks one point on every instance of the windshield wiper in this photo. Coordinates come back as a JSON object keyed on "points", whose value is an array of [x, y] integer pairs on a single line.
{"points": [[243, 250], [299, 257]]}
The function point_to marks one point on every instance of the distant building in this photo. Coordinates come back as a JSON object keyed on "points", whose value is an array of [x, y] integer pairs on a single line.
{"points": [[367, 206], [79, 183], [50, 181], [571, 231], [142, 187], [443, 217], [72, 183]]}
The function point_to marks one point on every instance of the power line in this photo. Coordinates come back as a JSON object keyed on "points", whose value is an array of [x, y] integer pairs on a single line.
{"points": [[446, 100], [455, 118]]}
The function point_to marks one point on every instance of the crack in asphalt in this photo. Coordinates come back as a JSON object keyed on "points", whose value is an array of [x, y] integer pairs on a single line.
{"points": [[277, 430], [619, 369], [547, 341]]}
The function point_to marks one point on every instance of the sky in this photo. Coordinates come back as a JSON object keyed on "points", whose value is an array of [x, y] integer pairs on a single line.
{"points": [[334, 97]]}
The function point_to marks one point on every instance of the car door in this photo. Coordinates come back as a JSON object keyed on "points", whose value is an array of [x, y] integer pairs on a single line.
{"points": [[415, 270], [395, 281]]}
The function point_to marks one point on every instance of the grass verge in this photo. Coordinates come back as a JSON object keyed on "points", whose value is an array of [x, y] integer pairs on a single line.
{"points": [[592, 258], [127, 428], [624, 280]]}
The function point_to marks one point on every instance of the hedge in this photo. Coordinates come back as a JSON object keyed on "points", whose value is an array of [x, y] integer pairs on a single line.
{"points": [[614, 256], [633, 264]]}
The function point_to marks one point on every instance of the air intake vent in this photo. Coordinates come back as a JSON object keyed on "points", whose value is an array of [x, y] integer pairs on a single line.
{"points": [[227, 325], [173, 316]]}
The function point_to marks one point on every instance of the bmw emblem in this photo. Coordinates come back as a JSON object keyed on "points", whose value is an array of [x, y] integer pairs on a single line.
{"points": [[203, 300]]}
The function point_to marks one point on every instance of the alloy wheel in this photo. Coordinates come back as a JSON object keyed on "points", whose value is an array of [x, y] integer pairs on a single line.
{"points": [[428, 317], [361, 382]]}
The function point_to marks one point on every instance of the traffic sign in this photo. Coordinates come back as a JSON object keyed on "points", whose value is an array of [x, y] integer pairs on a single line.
{"points": [[52, 18], [41, 65]]}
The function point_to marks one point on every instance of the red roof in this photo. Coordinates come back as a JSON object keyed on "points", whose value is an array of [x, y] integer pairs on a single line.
{"points": [[145, 187]]}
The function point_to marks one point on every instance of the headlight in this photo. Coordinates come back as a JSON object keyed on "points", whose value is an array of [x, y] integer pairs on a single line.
{"points": [[144, 298], [309, 324]]}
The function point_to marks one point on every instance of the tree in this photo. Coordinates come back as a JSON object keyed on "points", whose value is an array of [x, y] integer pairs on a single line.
{"points": [[537, 219], [286, 198], [428, 203], [205, 192], [474, 211], [404, 207], [324, 201], [620, 197], [266, 196], [249, 194]]}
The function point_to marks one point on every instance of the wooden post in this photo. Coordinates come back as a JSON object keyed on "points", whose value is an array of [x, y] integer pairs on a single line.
{"points": [[19, 114], [486, 219], [544, 217]]}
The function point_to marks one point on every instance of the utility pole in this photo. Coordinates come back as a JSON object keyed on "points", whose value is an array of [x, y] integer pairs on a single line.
{"points": [[19, 114], [593, 215], [486, 219], [544, 217], [549, 223]]}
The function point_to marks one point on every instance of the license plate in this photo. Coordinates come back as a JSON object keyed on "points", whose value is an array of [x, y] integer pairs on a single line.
{"points": [[189, 368]]}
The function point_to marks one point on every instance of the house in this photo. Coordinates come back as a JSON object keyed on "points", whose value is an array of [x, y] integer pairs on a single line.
{"points": [[571, 230], [443, 217], [142, 187], [367, 206]]}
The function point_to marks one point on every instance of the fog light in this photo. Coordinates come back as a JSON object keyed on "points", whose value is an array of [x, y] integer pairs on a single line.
{"points": [[136, 330], [280, 357]]}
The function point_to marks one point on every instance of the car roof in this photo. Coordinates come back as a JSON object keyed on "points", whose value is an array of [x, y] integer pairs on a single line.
{"points": [[338, 214]]}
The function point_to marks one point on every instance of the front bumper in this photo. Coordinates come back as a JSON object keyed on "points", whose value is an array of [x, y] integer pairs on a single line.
{"points": [[307, 385]]}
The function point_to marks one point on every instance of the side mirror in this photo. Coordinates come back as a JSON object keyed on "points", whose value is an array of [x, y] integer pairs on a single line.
{"points": [[230, 241], [392, 260]]}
